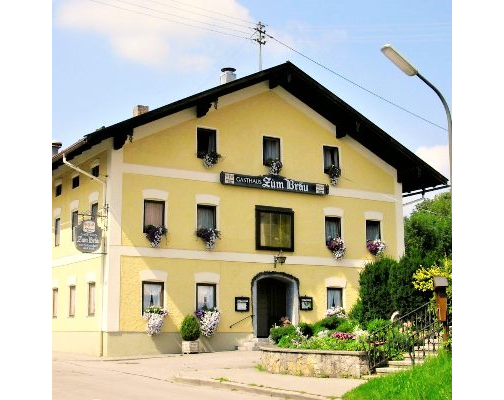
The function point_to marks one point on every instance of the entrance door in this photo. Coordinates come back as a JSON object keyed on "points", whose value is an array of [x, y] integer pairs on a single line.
{"points": [[271, 304]]}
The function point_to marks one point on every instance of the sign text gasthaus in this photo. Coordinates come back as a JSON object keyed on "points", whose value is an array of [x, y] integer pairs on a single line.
{"points": [[273, 182], [88, 237]]}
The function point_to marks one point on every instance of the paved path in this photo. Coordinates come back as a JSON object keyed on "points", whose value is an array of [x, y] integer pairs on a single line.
{"points": [[236, 371]]}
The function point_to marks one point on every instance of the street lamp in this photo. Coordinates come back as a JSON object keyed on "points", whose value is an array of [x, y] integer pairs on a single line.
{"points": [[403, 64]]}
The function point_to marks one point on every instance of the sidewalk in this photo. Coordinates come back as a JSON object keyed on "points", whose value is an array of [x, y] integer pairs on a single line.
{"points": [[233, 370]]}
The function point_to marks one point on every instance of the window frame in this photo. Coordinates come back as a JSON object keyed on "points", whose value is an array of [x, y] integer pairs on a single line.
{"points": [[74, 222], [75, 181], [94, 216], [379, 228], [214, 293], [273, 139], [161, 295], [91, 306], [163, 202], [72, 300], [273, 210], [331, 218], [335, 289], [211, 207], [207, 131], [95, 170], [58, 190], [334, 157], [55, 302], [57, 231]]}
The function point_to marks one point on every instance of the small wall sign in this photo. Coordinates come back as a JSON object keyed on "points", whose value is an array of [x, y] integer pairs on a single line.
{"points": [[306, 303], [88, 236], [242, 304]]}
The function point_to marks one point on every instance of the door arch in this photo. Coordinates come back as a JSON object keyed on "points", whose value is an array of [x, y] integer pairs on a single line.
{"points": [[274, 295]]}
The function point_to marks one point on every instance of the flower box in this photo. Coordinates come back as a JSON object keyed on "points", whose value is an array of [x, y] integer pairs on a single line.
{"points": [[190, 346]]}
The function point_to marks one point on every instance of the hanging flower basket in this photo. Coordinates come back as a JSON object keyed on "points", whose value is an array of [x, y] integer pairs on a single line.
{"points": [[337, 246], [154, 234], [155, 318], [209, 321], [334, 173], [338, 311], [275, 166], [209, 236], [211, 158], [375, 247]]}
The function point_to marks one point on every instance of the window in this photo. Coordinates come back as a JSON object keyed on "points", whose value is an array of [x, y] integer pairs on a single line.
{"points": [[154, 211], [334, 297], [94, 211], [331, 157], [271, 149], [274, 228], [75, 182], [207, 217], [372, 230], [91, 298], [75, 222], [57, 228], [95, 171], [205, 296], [58, 189], [207, 141], [152, 294], [332, 227], [55, 303], [71, 303]]}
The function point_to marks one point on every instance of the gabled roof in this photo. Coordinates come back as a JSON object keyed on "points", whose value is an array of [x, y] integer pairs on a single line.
{"points": [[413, 172]]}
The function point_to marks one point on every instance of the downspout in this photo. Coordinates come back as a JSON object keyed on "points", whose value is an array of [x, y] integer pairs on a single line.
{"points": [[105, 207]]}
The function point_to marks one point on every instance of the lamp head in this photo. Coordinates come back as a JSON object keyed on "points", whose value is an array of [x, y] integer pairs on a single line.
{"points": [[401, 63]]}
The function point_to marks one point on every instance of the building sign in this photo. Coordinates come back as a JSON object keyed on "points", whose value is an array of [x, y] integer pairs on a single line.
{"points": [[273, 182], [88, 237]]}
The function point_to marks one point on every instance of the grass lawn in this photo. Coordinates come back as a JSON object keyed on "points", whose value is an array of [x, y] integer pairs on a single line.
{"points": [[431, 380]]}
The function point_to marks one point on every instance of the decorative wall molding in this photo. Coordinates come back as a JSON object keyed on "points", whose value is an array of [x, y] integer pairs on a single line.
{"points": [[153, 275]]}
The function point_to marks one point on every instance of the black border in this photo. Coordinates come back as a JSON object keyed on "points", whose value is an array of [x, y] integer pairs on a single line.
{"points": [[247, 299], [301, 298]]}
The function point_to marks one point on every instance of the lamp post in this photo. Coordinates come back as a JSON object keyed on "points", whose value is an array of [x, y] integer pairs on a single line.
{"points": [[403, 64]]}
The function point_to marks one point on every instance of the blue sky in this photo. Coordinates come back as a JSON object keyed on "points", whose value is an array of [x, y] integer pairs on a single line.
{"points": [[109, 55]]}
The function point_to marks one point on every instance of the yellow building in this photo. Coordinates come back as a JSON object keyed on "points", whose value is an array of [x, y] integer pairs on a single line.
{"points": [[150, 170]]}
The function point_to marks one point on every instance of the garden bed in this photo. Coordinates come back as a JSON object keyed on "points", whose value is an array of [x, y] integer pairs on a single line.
{"points": [[315, 363]]}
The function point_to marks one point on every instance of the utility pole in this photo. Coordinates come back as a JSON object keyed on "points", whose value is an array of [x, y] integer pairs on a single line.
{"points": [[261, 39]]}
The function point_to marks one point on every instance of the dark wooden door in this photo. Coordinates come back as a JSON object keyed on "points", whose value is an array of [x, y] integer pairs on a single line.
{"points": [[271, 304]]}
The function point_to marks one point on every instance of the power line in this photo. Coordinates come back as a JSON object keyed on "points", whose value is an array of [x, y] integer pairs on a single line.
{"points": [[170, 20], [178, 16], [204, 15], [353, 83]]}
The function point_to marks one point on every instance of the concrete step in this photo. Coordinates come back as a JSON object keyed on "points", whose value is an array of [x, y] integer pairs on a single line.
{"points": [[407, 362], [390, 370], [253, 344]]}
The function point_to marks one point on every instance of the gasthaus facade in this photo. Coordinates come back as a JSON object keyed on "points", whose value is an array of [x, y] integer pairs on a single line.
{"points": [[267, 167]]}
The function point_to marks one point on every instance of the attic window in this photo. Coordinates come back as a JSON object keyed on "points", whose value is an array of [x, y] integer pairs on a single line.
{"points": [[58, 190], [271, 149], [207, 141], [95, 171], [75, 182], [331, 157]]}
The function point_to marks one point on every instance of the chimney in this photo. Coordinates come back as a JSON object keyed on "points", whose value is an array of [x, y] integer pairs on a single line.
{"points": [[55, 147], [137, 110], [228, 75]]}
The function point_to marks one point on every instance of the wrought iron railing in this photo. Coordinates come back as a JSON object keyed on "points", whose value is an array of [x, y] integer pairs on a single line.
{"points": [[417, 333], [243, 319]]}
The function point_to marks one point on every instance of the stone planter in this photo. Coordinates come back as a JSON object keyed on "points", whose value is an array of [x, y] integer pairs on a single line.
{"points": [[190, 346], [317, 363]]}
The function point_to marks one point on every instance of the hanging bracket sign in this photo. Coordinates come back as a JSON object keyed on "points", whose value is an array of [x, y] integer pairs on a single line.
{"points": [[88, 236]]}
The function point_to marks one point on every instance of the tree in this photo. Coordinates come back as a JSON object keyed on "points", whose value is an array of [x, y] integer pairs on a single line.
{"points": [[428, 230]]}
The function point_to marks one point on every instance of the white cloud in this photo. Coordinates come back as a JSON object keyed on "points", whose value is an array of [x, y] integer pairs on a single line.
{"points": [[438, 157], [147, 33]]}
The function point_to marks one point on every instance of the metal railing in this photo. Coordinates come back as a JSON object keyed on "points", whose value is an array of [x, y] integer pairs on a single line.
{"points": [[417, 333], [243, 319]]}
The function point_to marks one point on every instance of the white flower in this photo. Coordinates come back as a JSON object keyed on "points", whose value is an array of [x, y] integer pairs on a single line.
{"points": [[338, 311], [155, 321], [209, 322]]}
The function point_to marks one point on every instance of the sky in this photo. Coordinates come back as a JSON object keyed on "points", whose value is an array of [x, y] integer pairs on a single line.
{"points": [[110, 55]]}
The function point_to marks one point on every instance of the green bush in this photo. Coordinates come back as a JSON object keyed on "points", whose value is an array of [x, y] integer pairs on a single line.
{"points": [[306, 329], [277, 332], [377, 324], [357, 312], [190, 328], [328, 323], [347, 326]]}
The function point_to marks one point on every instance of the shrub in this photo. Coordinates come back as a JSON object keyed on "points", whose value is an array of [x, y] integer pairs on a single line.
{"points": [[357, 312], [306, 329], [377, 324], [277, 332], [328, 323], [347, 326], [190, 328]]}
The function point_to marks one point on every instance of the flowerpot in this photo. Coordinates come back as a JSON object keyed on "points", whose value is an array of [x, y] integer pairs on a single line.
{"points": [[190, 346]]}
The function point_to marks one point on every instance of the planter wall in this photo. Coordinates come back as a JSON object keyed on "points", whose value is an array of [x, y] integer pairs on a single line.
{"points": [[317, 363]]}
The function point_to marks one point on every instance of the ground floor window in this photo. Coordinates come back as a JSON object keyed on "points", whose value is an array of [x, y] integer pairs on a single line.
{"points": [[205, 296], [91, 299], [71, 303], [334, 297], [152, 294], [55, 303]]}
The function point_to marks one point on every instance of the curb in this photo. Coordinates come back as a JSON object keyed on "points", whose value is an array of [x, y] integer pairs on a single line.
{"points": [[229, 385]]}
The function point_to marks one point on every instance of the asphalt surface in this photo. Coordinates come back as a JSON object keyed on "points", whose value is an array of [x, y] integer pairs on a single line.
{"points": [[221, 375]]}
